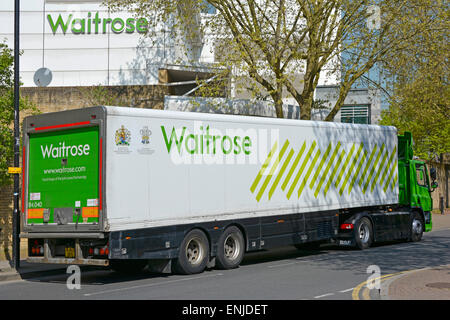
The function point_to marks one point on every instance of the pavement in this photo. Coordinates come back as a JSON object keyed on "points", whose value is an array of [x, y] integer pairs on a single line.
{"points": [[27, 270], [424, 284]]}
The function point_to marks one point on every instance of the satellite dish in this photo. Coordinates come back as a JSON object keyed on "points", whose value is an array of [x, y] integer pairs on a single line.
{"points": [[43, 77]]}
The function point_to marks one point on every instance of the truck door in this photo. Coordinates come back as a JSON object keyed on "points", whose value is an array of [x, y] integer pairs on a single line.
{"points": [[62, 192], [422, 188]]}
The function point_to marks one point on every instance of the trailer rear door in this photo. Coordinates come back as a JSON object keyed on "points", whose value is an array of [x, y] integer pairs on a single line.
{"points": [[64, 179]]}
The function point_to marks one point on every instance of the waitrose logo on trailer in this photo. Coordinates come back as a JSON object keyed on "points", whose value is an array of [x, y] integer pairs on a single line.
{"points": [[62, 150], [93, 23]]}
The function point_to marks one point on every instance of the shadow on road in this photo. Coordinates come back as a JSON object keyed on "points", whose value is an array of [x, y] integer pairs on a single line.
{"points": [[391, 257]]}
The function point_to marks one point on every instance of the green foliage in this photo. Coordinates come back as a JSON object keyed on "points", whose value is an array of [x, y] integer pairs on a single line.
{"points": [[422, 107], [7, 112], [280, 48], [418, 79]]}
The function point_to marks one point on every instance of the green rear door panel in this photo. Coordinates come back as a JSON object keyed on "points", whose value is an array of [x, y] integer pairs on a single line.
{"points": [[64, 173]]}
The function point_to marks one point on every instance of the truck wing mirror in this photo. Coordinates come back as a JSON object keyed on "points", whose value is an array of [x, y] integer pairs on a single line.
{"points": [[433, 174], [434, 185]]}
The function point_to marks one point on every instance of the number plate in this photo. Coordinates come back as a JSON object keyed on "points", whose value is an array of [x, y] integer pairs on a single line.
{"points": [[69, 252], [345, 242]]}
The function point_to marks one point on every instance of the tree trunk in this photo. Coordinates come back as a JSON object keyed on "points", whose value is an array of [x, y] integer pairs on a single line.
{"points": [[342, 94], [305, 108], [278, 101]]}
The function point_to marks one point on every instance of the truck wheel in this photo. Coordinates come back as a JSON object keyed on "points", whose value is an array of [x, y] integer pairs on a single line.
{"points": [[363, 233], [230, 248], [416, 227], [128, 266], [194, 253]]}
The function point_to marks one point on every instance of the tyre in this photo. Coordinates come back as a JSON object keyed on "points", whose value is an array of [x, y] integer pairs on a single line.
{"points": [[230, 248], [128, 266], [194, 253], [363, 233], [417, 226]]}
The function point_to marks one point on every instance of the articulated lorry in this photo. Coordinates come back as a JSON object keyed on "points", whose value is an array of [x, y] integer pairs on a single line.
{"points": [[127, 187]]}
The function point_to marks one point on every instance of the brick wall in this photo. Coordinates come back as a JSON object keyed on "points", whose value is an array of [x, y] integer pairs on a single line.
{"points": [[443, 180], [6, 211], [53, 99]]}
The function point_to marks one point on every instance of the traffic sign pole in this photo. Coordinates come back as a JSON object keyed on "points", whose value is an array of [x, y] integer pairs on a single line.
{"points": [[16, 214]]}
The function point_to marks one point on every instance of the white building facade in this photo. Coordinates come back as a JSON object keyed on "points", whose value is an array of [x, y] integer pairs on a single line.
{"points": [[83, 44]]}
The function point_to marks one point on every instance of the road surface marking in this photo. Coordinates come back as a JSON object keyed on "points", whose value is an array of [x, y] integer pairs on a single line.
{"points": [[281, 265], [151, 284], [324, 295], [355, 293], [347, 290]]}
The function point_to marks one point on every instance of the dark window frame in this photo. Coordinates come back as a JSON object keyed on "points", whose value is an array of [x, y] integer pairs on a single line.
{"points": [[352, 118]]}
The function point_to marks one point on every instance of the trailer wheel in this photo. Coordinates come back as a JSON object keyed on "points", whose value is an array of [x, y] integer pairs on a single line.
{"points": [[416, 227], [363, 233], [230, 248], [194, 253]]}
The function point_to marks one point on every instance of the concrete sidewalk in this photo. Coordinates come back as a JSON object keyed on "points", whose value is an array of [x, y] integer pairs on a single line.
{"points": [[425, 284], [441, 221], [28, 270]]}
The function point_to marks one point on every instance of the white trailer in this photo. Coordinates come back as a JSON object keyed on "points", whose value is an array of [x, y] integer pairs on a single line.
{"points": [[191, 187]]}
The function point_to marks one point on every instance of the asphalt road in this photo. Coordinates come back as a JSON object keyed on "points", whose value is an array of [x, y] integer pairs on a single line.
{"points": [[283, 274]]}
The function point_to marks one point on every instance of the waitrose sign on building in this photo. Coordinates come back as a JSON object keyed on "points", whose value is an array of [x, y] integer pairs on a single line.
{"points": [[94, 24]]}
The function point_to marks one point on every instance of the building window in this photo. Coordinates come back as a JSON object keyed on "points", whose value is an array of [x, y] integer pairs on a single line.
{"points": [[356, 114], [208, 8]]}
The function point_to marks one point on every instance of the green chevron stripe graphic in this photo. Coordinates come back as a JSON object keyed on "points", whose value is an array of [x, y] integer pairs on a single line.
{"points": [[272, 170], [388, 165], [333, 173], [280, 174], [324, 175], [394, 181], [373, 169], [390, 177], [305, 161], [344, 167], [368, 163], [264, 167], [294, 165], [308, 173], [350, 171], [379, 171], [363, 159], [319, 168]]}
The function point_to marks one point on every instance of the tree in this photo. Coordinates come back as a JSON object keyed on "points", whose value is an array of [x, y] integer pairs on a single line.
{"points": [[272, 42], [7, 112], [417, 83]]}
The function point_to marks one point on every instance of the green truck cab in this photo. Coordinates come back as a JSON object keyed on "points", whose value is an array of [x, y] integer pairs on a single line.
{"points": [[414, 183], [405, 220]]}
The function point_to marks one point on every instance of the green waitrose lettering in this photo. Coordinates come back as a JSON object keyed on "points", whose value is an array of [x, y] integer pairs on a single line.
{"points": [[205, 143], [94, 24]]}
